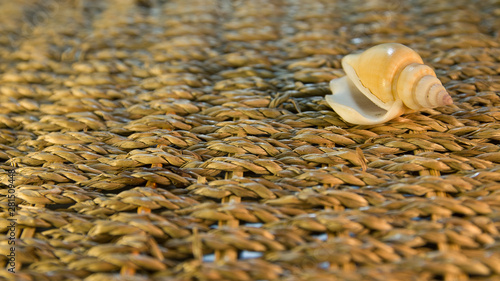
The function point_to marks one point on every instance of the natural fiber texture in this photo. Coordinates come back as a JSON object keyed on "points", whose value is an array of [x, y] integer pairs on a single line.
{"points": [[190, 140]]}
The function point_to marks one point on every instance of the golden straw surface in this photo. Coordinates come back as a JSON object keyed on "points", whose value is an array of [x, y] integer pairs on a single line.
{"points": [[190, 140]]}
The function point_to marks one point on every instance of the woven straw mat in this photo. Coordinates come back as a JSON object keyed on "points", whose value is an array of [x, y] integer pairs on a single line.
{"points": [[190, 140]]}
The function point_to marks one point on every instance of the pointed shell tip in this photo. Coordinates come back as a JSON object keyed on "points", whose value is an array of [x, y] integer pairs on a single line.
{"points": [[447, 100]]}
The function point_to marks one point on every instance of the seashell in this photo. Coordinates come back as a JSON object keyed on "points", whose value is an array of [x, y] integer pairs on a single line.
{"points": [[384, 82]]}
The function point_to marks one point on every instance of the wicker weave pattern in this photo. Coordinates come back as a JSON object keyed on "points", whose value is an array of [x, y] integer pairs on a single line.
{"points": [[190, 140]]}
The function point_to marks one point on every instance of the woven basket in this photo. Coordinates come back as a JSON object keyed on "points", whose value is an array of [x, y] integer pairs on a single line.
{"points": [[190, 140]]}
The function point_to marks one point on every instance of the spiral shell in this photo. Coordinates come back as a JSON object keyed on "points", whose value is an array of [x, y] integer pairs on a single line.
{"points": [[384, 82]]}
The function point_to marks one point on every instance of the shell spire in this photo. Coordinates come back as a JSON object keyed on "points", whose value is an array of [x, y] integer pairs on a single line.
{"points": [[384, 82]]}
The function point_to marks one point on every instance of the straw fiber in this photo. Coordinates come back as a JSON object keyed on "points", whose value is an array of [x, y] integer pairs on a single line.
{"points": [[190, 140]]}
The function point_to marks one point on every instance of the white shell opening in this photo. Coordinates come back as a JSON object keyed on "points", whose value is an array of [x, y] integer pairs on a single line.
{"points": [[355, 107], [354, 79]]}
